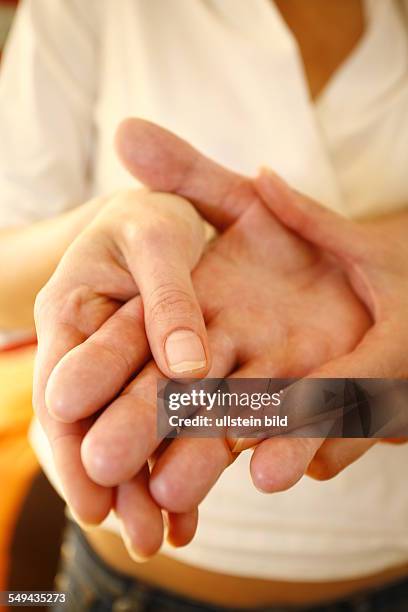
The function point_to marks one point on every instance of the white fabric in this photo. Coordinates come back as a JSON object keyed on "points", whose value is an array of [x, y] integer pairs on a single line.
{"points": [[226, 75]]}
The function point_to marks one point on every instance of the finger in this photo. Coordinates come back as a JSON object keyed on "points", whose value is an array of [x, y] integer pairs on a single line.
{"points": [[293, 360], [276, 465], [182, 527], [402, 440], [89, 502], [269, 466], [279, 463], [378, 355], [141, 519], [64, 320], [200, 461], [337, 454], [119, 348], [318, 224], [125, 434], [161, 266], [165, 162], [116, 350], [67, 311]]}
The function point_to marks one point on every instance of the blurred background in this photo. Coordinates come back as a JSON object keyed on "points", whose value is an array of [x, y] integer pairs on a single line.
{"points": [[7, 8], [31, 514]]}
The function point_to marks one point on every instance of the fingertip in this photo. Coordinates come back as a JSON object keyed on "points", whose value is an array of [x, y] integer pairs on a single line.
{"points": [[166, 493], [91, 510], [186, 471], [123, 139], [272, 188], [132, 544], [145, 148], [171, 492], [277, 465], [64, 397], [266, 172], [140, 519], [57, 406], [182, 528], [102, 466]]}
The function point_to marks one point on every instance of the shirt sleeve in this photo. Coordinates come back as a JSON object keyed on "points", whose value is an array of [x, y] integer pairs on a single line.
{"points": [[48, 83]]}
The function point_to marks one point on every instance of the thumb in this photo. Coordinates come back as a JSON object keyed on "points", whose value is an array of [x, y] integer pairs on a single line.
{"points": [[347, 240], [376, 365], [385, 415], [161, 261], [319, 225], [164, 162]]}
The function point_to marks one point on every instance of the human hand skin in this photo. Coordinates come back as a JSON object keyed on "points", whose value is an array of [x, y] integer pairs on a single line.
{"points": [[138, 253], [29, 254], [282, 280], [374, 255]]}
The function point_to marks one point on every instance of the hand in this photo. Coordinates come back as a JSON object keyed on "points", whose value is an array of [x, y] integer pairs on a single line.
{"points": [[290, 296], [374, 255], [278, 273], [129, 270]]}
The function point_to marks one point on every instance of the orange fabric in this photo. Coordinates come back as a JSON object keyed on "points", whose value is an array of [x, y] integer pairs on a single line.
{"points": [[18, 464], [17, 461]]}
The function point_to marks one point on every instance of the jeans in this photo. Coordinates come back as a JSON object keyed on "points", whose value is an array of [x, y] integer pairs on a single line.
{"points": [[92, 586]]}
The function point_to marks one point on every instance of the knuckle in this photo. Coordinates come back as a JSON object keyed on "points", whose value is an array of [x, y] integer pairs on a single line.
{"points": [[155, 234], [170, 303], [147, 237]]}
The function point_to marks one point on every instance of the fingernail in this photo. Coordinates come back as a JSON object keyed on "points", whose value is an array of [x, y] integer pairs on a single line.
{"points": [[184, 352], [238, 445], [269, 172], [137, 557], [275, 178], [266, 170], [242, 444]]}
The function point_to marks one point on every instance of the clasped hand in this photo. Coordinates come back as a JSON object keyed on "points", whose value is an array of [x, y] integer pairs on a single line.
{"points": [[285, 289]]}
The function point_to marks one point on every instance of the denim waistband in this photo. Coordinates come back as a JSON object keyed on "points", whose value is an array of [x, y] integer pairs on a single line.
{"points": [[93, 586]]}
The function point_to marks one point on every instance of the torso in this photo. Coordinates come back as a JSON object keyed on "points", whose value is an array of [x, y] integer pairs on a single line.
{"points": [[326, 33], [223, 589], [244, 101]]}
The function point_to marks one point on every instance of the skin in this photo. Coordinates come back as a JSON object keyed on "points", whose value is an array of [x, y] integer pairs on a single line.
{"points": [[102, 304], [316, 80], [325, 32], [32, 253], [283, 286], [374, 255]]}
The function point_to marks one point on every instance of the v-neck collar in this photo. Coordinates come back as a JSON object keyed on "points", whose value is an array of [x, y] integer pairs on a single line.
{"points": [[345, 67], [373, 68]]}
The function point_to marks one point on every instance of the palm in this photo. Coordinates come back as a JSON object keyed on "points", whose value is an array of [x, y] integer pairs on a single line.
{"points": [[280, 301]]}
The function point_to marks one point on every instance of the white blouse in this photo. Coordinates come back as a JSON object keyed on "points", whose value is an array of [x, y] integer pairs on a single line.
{"points": [[226, 75]]}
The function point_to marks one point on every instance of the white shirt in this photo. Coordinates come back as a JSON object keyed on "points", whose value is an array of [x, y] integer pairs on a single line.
{"points": [[227, 76]]}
